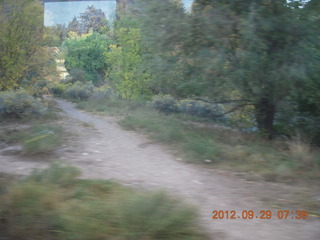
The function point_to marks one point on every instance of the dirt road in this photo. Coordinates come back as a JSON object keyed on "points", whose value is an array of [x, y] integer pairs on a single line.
{"points": [[103, 150]]}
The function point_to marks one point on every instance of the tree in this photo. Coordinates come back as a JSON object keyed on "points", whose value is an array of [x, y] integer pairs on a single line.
{"points": [[93, 20], [257, 53], [21, 34], [86, 55], [127, 73], [74, 26], [164, 29], [244, 53]]}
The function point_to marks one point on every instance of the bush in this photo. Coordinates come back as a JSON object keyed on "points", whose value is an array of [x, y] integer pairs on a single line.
{"points": [[80, 91], [85, 57], [77, 75], [168, 104], [20, 104], [201, 109], [38, 88], [58, 89], [102, 93], [53, 204], [42, 139]]}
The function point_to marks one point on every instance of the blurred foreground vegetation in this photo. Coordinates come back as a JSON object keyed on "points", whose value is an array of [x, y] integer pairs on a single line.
{"points": [[55, 204]]}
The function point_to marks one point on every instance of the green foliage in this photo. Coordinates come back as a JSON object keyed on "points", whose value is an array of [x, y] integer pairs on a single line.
{"points": [[127, 73], [41, 139], [43, 206], [265, 52], [101, 94], [87, 54], [58, 88], [168, 104], [164, 29], [79, 91], [20, 104], [55, 174], [39, 88], [21, 35], [53, 36]]}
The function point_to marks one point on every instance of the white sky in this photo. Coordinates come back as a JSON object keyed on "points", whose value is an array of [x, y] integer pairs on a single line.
{"points": [[63, 12]]}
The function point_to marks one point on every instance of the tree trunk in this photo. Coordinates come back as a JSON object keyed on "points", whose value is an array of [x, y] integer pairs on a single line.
{"points": [[265, 112]]}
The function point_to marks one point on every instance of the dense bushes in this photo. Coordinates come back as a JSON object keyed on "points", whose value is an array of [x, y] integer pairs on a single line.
{"points": [[80, 91], [85, 57], [53, 204], [20, 104], [168, 104], [58, 88]]}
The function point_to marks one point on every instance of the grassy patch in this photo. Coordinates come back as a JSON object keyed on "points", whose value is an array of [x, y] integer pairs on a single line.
{"points": [[42, 139], [110, 106], [54, 204], [36, 139]]}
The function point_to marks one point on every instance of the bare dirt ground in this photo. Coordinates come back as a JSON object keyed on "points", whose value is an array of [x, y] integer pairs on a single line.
{"points": [[101, 149]]}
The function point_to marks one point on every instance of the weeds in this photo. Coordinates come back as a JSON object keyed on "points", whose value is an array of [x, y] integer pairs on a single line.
{"points": [[300, 151], [53, 204], [37, 139], [42, 139]]}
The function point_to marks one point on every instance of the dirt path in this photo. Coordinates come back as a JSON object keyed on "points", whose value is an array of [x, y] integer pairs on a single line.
{"points": [[103, 150]]}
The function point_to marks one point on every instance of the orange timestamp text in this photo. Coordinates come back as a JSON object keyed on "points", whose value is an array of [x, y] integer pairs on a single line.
{"points": [[263, 214]]}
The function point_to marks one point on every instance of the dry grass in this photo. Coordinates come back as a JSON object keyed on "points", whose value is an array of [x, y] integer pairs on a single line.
{"points": [[300, 150]]}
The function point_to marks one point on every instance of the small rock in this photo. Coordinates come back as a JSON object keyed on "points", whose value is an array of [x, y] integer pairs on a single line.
{"points": [[208, 161], [12, 150]]}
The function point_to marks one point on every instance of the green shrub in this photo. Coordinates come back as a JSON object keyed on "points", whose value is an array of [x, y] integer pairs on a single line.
{"points": [[157, 216], [85, 57], [42, 139], [102, 93], [166, 104], [58, 89], [53, 204], [77, 75], [39, 88], [55, 174], [20, 104], [201, 109], [80, 91]]}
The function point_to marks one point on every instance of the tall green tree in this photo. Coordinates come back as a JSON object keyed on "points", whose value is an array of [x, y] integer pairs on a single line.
{"points": [[127, 74], [85, 57], [164, 28], [254, 49], [21, 35], [93, 20]]}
